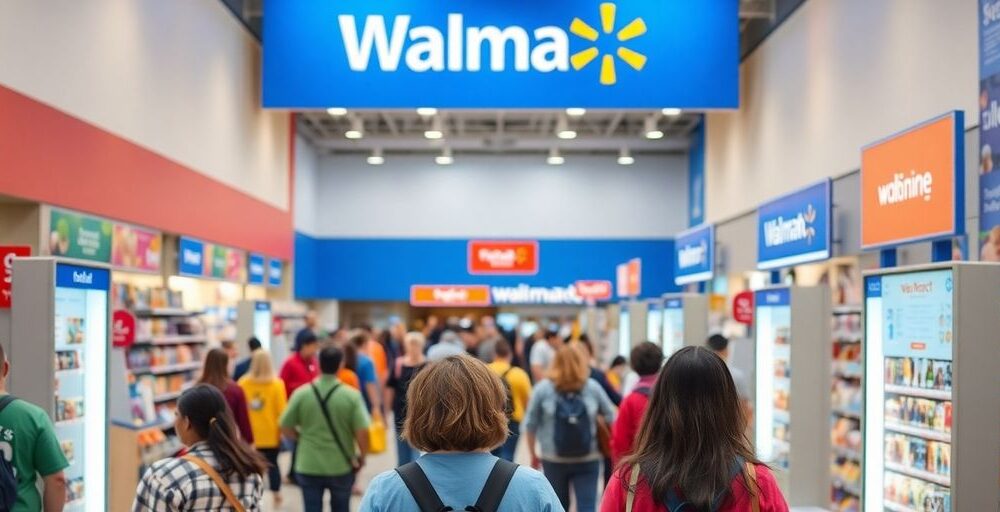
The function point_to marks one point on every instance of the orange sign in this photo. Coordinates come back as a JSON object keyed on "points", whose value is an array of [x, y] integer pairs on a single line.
{"points": [[503, 257], [447, 295], [593, 291], [635, 277], [911, 184], [621, 280]]}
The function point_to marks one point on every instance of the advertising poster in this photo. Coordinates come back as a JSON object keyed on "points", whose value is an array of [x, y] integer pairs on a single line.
{"points": [[256, 269], [503, 257], [989, 130], [74, 235], [136, 248], [274, 272], [191, 257]]}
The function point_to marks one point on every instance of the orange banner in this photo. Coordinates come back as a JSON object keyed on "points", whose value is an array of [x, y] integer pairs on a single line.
{"points": [[449, 295], [909, 184], [503, 257]]}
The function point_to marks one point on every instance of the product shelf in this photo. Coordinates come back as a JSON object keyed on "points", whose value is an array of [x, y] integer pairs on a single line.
{"points": [[923, 433], [845, 413], [165, 312], [896, 507], [847, 453], [166, 397], [168, 368], [919, 474], [174, 339], [850, 488], [933, 394]]}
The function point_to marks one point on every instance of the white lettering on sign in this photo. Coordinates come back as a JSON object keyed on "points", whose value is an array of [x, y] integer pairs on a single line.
{"points": [[192, 257], [83, 277], [781, 231], [526, 294], [428, 46], [8, 264], [692, 255], [88, 240], [903, 188], [451, 295], [991, 13], [256, 269], [498, 258], [991, 116], [594, 289]]}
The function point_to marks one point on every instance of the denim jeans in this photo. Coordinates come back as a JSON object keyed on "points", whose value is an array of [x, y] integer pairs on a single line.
{"points": [[315, 487], [273, 473], [507, 449], [581, 475], [404, 452]]}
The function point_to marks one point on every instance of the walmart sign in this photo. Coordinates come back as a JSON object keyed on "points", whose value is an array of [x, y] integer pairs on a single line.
{"points": [[796, 228], [501, 54]]}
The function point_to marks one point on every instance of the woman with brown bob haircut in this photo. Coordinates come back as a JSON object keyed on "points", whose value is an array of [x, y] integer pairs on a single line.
{"points": [[456, 413]]}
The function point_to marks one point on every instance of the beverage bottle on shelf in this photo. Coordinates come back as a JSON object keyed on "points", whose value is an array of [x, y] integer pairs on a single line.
{"points": [[929, 383], [947, 377], [907, 372]]}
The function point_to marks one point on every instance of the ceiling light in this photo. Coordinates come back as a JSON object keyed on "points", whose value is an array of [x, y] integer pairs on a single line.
{"points": [[576, 112], [427, 111], [651, 130], [555, 158], [376, 157], [445, 157], [357, 130], [436, 131], [337, 111], [563, 130], [625, 157], [672, 112]]}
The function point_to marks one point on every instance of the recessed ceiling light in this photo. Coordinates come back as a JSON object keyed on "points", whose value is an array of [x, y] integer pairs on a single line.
{"points": [[625, 157], [376, 157], [671, 112], [555, 158], [337, 111], [563, 131], [427, 111], [575, 112], [445, 157]]}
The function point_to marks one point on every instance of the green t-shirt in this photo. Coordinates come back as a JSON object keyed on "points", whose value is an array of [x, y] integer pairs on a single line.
{"points": [[28, 441], [317, 453]]}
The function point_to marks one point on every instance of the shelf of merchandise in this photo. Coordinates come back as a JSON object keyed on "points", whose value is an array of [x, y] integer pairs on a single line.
{"points": [[896, 507], [923, 433], [850, 488], [174, 339], [846, 374], [918, 474], [847, 453], [781, 416], [167, 397], [165, 312], [846, 413], [933, 394], [167, 368]]}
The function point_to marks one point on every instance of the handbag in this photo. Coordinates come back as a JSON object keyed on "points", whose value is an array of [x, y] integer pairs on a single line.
{"points": [[604, 437], [217, 478], [377, 435], [749, 475]]}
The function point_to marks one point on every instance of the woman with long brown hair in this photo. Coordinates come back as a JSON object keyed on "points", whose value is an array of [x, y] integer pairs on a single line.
{"points": [[216, 373], [691, 448], [562, 417]]}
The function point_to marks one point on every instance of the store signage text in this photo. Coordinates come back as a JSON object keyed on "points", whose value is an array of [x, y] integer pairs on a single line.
{"points": [[743, 308], [274, 272], [795, 228], [904, 188], [7, 255], [449, 295], [777, 297], [595, 291], [255, 269], [122, 328], [503, 257], [694, 255]]}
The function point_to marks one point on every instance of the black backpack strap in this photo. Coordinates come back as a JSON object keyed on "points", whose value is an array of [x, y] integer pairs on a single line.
{"points": [[5, 401], [420, 488], [495, 488], [329, 423]]}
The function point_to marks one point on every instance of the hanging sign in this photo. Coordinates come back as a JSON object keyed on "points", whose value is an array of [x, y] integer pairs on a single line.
{"points": [[122, 329], [743, 308], [274, 273], [694, 255], [79, 236], [190, 257], [501, 54], [594, 291], [795, 229], [136, 248], [621, 280], [989, 130], [449, 295], [490, 257], [634, 276], [7, 255], [255, 269]]}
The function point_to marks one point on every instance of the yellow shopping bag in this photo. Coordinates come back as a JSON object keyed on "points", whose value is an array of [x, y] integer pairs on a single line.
{"points": [[377, 435]]}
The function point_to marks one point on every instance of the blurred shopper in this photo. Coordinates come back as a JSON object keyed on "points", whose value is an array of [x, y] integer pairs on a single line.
{"points": [[408, 366], [433, 330], [300, 367], [376, 352], [646, 358], [467, 332], [370, 388], [215, 372], [616, 372], [692, 448], [517, 386], [229, 347], [32, 450], [243, 366], [329, 422], [312, 324], [456, 414], [394, 343], [543, 353], [218, 473], [346, 374], [266, 401], [598, 376], [562, 417], [720, 345], [450, 345]]}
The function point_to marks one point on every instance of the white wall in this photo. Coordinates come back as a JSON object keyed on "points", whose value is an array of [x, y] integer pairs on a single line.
{"points": [[178, 77], [837, 75], [306, 163], [501, 196]]}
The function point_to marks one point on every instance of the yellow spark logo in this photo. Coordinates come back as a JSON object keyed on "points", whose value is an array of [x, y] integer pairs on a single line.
{"points": [[634, 29]]}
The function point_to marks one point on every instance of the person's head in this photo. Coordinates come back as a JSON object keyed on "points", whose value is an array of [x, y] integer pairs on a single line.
{"points": [[216, 369], [398, 330], [306, 344], [501, 349], [230, 347], [552, 338], [413, 344], [646, 358], [358, 339], [456, 405], [693, 430], [720, 345], [619, 362], [450, 337], [312, 320], [202, 415], [261, 369], [330, 359], [432, 322], [350, 356], [468, 334], [570, 370], [253, 344]]}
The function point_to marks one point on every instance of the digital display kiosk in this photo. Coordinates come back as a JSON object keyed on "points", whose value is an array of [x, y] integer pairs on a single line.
{"points": [[932, 391], [654, 321], [684, 322], [624, 330]]}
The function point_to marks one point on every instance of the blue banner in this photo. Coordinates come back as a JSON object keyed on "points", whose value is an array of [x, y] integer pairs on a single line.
{"points": [[774, 297], [190, 257], [673, 304], [256, 269], [86, 278], [989, 130], [694, 255], [696, 175], [501, 54], [873, 287], [274, 271], [795, 229], [262, 306]]}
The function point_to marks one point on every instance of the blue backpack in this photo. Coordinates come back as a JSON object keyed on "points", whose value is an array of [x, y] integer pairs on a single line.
{"points": [[574, 436], [8, 483]]}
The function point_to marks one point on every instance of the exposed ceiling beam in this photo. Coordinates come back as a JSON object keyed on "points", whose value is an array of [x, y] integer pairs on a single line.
{"points": [[613, 124], [583, 143]]}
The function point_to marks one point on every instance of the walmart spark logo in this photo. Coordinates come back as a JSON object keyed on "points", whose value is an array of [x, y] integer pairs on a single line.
{"points": [[634, 29]]}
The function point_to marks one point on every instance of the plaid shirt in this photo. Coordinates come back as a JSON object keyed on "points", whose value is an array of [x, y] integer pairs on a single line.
{"points": [[175, 484]]}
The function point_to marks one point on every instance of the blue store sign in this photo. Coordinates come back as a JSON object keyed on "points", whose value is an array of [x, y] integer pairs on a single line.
{"points": [[795, 229], [773, 297], [255, 269], [694, 256], [501, 54], [190, 257], [274, 272]]}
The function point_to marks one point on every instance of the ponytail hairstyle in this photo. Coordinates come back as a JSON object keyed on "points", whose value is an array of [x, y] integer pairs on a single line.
{"points": [[204, 406]]}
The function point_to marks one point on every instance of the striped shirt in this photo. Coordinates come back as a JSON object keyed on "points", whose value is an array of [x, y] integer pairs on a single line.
{"points": [[175, 485]]}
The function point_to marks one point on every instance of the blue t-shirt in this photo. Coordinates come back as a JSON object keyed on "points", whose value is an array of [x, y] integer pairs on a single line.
{"points": [[458, 479], [366, 375]]}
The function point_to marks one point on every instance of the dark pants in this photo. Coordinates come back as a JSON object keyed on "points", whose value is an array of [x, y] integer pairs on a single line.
{"points": [[315, 487], [273, 473], [294, 447], [581, 475], [609, 468], [507, 449]]}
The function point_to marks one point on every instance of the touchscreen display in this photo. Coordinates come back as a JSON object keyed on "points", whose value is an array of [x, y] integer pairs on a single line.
{"points": [[673, 326], [624, 332], [773, 317]]}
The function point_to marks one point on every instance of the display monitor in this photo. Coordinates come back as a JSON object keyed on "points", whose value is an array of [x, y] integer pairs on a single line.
{"points": [[909, 342], [773, 319], [673, 326], [262, 324], [624, 332], [81, 354], [654, 321]]}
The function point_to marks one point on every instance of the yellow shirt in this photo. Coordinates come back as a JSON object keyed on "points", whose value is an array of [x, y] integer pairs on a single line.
{"points": [[265, 403], [520, 387]]}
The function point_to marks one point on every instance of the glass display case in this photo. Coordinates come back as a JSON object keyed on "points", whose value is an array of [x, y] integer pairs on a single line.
{"points": [[654, 321], [773, 319], [684, 320], [624, 330]]}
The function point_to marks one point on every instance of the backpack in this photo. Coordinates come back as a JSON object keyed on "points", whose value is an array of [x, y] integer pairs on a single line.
{"points": [[8, 483], [509, 404], [643, 390], [428, 500], [574, 435], [674, 502]]}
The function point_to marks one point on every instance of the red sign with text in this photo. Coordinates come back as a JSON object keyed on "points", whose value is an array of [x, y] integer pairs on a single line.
{"points": [[593, 291], [447, 295], [635, 277], [122, 329], [743, 308], [504, 257], [7, 255]]}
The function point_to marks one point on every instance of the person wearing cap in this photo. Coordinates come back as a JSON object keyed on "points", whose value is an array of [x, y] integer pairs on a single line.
{"points": [[300, 367]]}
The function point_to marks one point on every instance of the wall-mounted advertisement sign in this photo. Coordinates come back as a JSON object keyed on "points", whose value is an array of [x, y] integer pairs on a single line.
{"points": [[989, 130], [75, 235], [795, 229], [634, 277], [136, 248], [501, 54], [449, 295], [912, 184], [503, 257], [190, 257], [594, 291], [621, 280], [200, 259], [274, 272], [694, 255], [256, 269]]}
